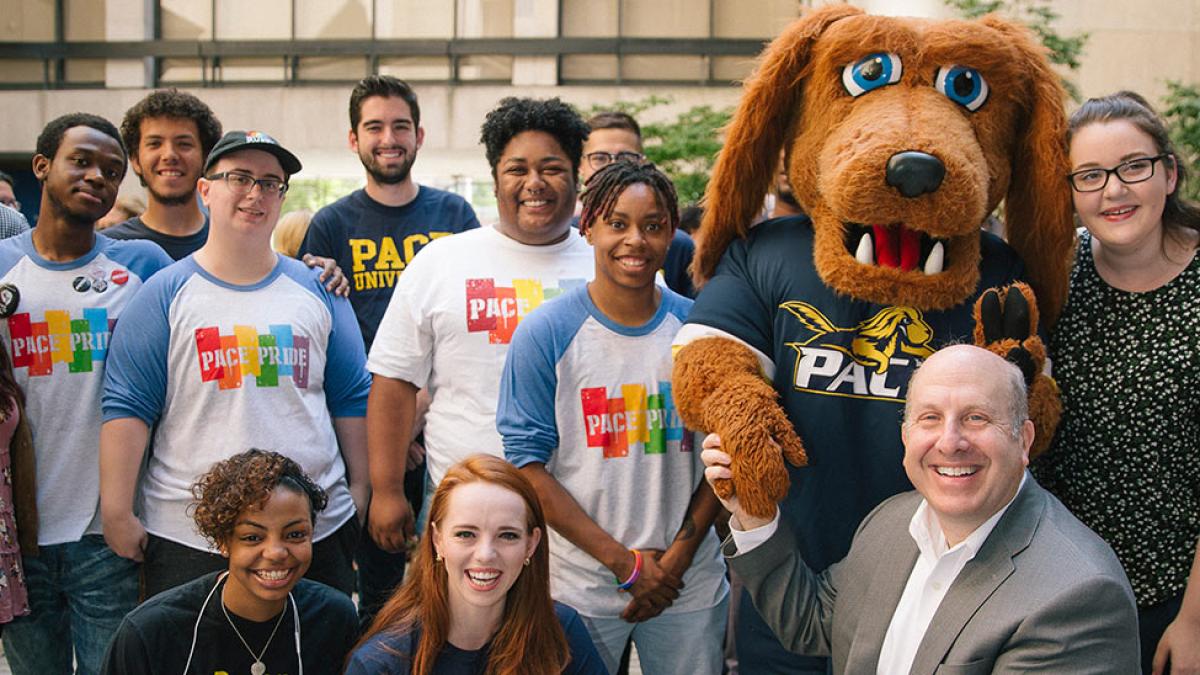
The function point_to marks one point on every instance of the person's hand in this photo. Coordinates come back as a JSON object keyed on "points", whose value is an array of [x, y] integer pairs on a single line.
{"points": [[331, 274], [716, 470], [390, 522], [416, 456], [1180, 645], [672, 563], [126, 536], [654, 590]]}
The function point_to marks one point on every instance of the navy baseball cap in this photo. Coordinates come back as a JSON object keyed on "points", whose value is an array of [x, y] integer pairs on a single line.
{"points": [[234, 141]]}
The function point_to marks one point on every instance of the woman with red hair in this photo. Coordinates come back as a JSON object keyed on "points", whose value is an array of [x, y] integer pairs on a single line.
{"points": [[478, 597]]}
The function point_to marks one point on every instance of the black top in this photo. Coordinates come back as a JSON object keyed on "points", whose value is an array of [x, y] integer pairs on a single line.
{"points": [[155, 638], [176, 247], [373, 243], [386, 653]]}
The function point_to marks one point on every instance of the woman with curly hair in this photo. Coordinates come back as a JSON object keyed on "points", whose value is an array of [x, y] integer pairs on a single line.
{"points": [[259, 616], [477, 599]]}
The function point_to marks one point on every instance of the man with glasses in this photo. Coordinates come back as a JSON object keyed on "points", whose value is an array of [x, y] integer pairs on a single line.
{"points": [[12, 221], [616, 136], [235, 347]]}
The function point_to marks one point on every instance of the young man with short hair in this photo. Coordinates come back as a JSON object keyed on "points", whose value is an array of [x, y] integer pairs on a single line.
{"points": [[234, 347], [617, 136], [67, 288]]}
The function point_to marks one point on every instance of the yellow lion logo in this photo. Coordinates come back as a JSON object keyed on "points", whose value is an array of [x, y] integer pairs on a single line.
{"points": [[872, 342]]}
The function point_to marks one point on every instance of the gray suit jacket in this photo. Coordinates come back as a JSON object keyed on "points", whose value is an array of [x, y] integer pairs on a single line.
{"points": [[1043, 594]]}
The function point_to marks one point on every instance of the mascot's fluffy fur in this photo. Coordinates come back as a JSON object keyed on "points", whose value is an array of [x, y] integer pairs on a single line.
{"points": [[897, 153]]}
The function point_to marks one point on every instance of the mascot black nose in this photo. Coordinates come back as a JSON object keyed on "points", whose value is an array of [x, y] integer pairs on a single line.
{"points": [[915, 173]]}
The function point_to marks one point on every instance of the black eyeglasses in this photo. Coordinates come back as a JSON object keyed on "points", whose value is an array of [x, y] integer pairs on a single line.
{"points": [[599, 160], [1133, 171], [242, 184]]}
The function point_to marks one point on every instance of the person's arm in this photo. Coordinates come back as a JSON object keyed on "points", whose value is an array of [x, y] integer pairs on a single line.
{"points": [[391, 408], [656, 588], [122, 446], [352, 440], [701, 513], [1180, 644]]}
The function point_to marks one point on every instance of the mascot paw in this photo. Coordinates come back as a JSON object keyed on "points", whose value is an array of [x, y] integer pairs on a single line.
{"points": [[1006, 321]]}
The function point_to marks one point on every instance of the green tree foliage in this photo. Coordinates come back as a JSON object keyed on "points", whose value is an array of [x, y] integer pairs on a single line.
{"points": [[1040, 17], [684, 147], [1182, 113], [314, 193]]}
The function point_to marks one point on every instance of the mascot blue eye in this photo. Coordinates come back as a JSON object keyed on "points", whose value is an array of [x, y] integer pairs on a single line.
{"points": [[963, 85], [872, 72]]}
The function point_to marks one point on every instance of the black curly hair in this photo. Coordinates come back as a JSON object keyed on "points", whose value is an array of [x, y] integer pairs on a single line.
{"points": [[247, 479], [52, 134], [515, 115], [171, 103], [602, 190]]}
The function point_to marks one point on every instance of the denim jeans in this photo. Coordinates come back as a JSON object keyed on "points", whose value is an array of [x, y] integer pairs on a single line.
{"points": [[78, 594], [687, 643]]}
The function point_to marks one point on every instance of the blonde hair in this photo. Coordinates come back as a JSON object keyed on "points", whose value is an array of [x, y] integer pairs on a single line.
{"points": [[289, 232]]}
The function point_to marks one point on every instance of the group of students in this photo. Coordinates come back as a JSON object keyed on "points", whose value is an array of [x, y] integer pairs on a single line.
{"points": [[528, 340]]}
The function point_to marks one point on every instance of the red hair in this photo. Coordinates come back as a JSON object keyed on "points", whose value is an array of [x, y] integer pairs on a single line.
{"points": [[530, 639]]}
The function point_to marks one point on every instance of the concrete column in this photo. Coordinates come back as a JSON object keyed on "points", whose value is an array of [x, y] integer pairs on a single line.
{"points": [[535, 18], [129, 21]]}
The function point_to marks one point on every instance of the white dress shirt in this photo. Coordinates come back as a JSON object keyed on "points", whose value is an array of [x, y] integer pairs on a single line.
{"points": [[936, 568]]}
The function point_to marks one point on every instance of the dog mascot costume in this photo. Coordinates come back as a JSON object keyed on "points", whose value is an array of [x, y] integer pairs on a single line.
{"points": [[900, 137]]}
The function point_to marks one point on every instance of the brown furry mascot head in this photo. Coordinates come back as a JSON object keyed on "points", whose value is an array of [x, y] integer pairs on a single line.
{"points": [[901, 135]]}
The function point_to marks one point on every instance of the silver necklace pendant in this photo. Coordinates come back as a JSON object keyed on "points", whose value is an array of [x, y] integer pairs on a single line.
{"points": [[258, 668]]}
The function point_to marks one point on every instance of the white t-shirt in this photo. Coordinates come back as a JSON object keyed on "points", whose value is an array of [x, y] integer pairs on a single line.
{"points": [[449, 323], [58, 339], [591, 399]]}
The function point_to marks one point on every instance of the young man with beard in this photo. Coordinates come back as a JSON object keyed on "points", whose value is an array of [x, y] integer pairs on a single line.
{"points": [[234, 347], [374, 233], [67, 288]]}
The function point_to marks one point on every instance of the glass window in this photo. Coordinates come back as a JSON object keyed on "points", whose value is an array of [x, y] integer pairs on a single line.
{"points": [[752, 18], [485, 19], [485, 67], [84, 70], [83, 20], [416, 68], [19, 71], [331, 68], [664, 18], [659, 68], [333, 19], [251, 70], [186, 20], [257, 20], [589, 18], [589, 67], [413, 19], [732, 69], [180, 70], [28, 21]]}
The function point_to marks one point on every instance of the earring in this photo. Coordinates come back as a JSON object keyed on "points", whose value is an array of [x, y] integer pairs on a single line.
{"points": [[527, 562], [437, 556]]}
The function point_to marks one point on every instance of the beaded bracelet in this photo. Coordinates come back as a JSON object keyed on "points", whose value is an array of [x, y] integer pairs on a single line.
{"points": [[633, 576]]}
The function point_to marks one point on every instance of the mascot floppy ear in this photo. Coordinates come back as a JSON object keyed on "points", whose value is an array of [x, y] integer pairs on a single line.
{"points": [[772, 97], [1038, 209]]}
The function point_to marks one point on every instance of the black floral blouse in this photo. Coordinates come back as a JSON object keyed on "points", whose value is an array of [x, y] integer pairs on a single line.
{"points": [[1126, 459]]}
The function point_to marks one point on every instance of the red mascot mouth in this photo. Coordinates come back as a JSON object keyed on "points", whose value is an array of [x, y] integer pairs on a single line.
{"points": [[896, 246]]}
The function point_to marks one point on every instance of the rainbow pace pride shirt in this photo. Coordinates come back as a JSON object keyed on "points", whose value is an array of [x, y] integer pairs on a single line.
{"points": [[58, 337], [223, 368], [591, 399], [450, 321]]}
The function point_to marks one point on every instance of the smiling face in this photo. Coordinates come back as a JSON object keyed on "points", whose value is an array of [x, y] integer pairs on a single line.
{"points": [[483, 540], [254, 211], [269, 550], [960, 449], [387, 139], [169, 159], [80, 182], [535, 189], [1122, 217], [631, 242]]}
